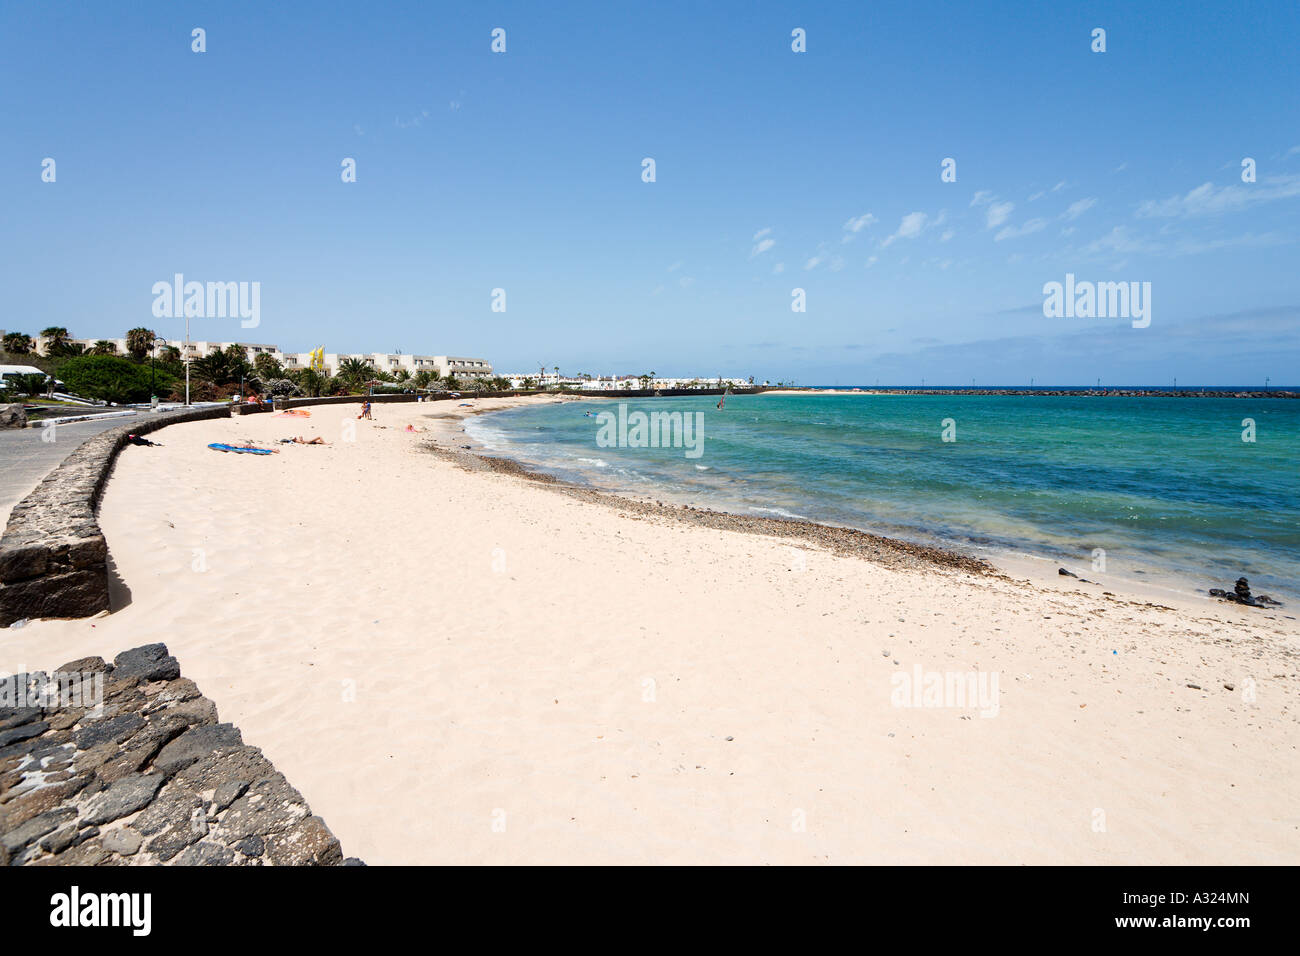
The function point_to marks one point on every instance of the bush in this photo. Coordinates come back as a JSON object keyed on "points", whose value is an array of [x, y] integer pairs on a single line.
{"points": [[282, 387], [30, 384], [108, 378]]}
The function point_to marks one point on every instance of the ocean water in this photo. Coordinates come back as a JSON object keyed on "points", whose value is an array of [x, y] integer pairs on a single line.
{"points": [[1165, 487]]}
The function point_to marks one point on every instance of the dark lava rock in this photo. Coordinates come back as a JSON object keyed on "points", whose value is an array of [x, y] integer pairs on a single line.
{"points": [[59, 840], [251, 846], [206, 854], [227, 793], [15, 716], [175, 839], [124, 797], [150, 662], [22, 732], [115, 729], [174, 808], [268, 806], [308, 843], [35, 828], [85, 665], [1240, 594], [196, 743], [1068, 574]]}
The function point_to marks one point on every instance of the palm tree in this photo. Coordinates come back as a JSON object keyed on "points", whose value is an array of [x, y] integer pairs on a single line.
{"points": [[312, 382], [139, 342], [18, 343], [267, 366], [354, 372], [57, 341], [223, 366]]}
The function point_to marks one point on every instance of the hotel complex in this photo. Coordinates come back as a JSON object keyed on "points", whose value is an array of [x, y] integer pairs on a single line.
{"points": [[443, 365]]}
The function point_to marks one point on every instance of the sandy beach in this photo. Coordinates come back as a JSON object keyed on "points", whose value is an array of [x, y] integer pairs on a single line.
{"points": [[459, 665]]}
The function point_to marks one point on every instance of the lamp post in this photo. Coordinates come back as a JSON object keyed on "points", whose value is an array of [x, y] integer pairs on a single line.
{"points": [[154, 346], [186, 359]]}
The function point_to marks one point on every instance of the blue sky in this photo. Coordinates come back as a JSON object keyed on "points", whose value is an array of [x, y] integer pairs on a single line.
{"points": [[775, 170]]}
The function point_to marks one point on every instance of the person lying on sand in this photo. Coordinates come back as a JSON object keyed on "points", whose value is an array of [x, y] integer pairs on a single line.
{"points": [[139, 440], [299, 440]]}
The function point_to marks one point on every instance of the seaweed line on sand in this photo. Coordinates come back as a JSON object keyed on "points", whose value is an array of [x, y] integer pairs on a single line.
{"points": [[891, 552]]}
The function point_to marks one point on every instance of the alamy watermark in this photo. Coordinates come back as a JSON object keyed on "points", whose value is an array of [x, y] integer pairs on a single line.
{"points": [[651, 430], [179, 299], [963, 690], [1098, 300], [60, 689]]}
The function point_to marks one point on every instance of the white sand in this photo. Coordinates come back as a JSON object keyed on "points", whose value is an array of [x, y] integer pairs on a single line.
{"points": [[510, 685]]}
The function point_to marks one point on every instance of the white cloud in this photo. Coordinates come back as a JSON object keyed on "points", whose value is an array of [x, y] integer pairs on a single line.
{"points": [[947, 234], [1206, 200], [999, 212], [909, 227], [1077, 209], [778, 268], [981, 198], [762, 232], [857, 224], [1059, 186], [761, 247], [1015, 232]]}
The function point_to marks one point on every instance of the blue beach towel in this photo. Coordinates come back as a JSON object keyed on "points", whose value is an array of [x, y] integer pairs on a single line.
{"points": [[218, 446]]}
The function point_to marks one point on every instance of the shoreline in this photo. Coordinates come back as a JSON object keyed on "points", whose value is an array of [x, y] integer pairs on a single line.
{"points": [[1163, 584], [1046, 392]]}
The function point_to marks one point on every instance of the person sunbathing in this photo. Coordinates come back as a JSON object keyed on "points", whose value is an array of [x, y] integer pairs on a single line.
{"points": [[299, 440]]}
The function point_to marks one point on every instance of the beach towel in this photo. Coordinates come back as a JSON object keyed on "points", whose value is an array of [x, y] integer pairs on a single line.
{"points": [[293, 413], [218, 446]]}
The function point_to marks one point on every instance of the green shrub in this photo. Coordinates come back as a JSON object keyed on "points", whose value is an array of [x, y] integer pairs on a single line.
{"points": [[109, 378]]}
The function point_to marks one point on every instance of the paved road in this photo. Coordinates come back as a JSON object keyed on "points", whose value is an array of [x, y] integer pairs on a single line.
{"points": [[25, 459]]}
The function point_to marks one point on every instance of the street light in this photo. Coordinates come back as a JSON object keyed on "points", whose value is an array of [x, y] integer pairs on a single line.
{"points": [[154, 346]]}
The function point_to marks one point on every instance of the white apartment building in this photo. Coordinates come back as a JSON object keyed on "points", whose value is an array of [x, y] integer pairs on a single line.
{"points": [[390, 362], [606, 383]]}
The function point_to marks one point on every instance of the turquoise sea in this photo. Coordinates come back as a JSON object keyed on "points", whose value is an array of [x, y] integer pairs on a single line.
{"points": [[1166, 487]]}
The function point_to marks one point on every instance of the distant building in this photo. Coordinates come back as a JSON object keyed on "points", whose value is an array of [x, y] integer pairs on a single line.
{"points": [[390, 362]]}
